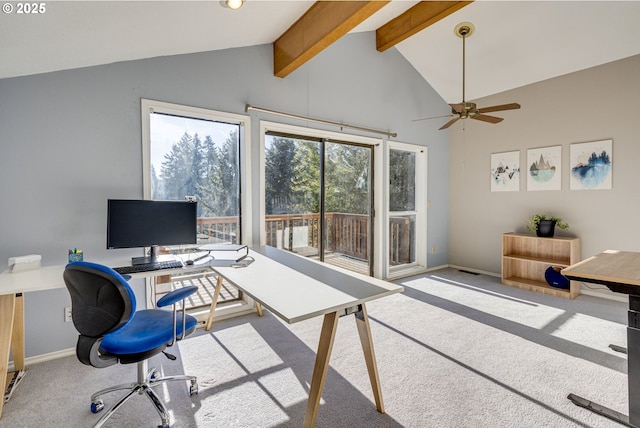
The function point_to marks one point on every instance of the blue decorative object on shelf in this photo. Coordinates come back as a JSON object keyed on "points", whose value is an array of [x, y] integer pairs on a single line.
{"points": [[555, 278]]}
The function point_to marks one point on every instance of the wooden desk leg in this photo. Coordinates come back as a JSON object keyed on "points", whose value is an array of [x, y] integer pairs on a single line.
{"points": [[214, 302], [17, 338], [259, 309], [7, 311], [364, 329], [327, 335]]}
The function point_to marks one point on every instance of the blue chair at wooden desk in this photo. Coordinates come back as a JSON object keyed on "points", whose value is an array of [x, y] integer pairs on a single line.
{"points": [[103, 308]]}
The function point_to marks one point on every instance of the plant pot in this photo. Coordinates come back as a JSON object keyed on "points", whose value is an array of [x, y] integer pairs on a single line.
{"points": [[546, 228]]}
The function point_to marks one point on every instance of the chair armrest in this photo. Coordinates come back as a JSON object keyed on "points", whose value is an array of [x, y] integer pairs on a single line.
{"points": [[176, 296]]}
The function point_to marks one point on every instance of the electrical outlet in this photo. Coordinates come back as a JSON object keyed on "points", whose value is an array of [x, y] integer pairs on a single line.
{"points": [[67, 314]]}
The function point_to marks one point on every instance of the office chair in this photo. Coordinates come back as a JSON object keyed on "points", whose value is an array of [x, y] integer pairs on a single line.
{"points": [[103, 308]]}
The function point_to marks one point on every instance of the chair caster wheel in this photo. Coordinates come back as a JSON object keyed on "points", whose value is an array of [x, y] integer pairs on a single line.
{"points": [[97, 405], [193, 388]]}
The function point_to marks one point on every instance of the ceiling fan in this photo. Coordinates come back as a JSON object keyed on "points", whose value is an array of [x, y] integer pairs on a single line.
{"points": [[466, 109]]}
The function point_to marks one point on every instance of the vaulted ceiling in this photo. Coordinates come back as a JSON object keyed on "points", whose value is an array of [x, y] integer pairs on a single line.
{"points": [[515, 43]]}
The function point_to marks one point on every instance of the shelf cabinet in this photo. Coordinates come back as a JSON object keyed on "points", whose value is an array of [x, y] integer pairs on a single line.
{"points": [[525, 258]]}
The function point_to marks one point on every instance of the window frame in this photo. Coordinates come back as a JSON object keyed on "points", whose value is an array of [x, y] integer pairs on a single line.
{"points": [[147, 107], [152, 106]]}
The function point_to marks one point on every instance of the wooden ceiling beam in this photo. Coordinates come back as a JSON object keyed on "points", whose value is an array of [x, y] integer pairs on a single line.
{"points": [[320, 26], [414, 20]]}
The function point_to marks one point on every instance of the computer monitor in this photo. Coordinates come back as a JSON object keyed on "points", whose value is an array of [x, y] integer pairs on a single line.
{"points": [[143, 223]]}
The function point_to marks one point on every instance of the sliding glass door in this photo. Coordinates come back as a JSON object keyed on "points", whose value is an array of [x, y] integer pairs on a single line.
{"points": [[318, 199], [292, 193], [348, 206]]}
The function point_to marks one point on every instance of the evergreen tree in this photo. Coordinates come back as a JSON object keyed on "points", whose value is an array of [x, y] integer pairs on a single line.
{"points": [[219, 190], [305, 188], [176, 169], [347, 178], [279, 160], [401, 181]]}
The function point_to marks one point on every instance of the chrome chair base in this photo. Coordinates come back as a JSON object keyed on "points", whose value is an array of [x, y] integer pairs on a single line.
{"points": [[147, 379]]}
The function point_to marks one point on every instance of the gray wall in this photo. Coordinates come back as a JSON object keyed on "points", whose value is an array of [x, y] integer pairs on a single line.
{"points": [[72, 139], [590, 105]]}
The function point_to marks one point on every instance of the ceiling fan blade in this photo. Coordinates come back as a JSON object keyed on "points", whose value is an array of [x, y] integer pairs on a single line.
{"points": [[487, 118], [458, 108], [512, 106], [434, 117], [448, 124]]}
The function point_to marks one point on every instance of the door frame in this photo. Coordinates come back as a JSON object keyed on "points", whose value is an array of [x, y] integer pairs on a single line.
{"points": [[421, 201]]}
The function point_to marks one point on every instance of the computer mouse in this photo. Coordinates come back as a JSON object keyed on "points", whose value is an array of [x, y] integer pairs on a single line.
{"points": [[189, 262]]}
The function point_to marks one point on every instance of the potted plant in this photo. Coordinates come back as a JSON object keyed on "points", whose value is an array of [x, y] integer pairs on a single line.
{"points": [[544, 225]]}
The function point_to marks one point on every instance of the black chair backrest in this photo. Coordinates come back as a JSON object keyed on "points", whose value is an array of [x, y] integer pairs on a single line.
{"points": [[101, 300]]}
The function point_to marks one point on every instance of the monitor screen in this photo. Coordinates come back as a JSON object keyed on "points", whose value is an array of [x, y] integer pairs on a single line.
{"points": [[145, 223]]}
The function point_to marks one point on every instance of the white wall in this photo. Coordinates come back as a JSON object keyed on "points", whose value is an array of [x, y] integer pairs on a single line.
{"points": [[594, 104]]}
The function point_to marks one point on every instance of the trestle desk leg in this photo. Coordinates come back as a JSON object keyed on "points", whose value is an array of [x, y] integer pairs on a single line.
{"points": [[327, 336], [17, 338], [214, 302], [7, 311], [364, 330]]}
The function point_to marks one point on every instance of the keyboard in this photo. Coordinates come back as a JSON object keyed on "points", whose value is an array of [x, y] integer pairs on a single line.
{"points": [[148, 267]]}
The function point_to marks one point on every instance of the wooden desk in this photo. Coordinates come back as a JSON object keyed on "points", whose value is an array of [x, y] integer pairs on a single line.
{"points": [[295, 289], [620, 272]]}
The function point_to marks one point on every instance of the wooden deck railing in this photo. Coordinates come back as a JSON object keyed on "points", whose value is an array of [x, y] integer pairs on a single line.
{"points": [[219, 229], [346, 233]]}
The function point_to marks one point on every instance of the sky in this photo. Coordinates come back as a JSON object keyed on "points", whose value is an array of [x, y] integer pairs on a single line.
{"points": [[167, 130]]}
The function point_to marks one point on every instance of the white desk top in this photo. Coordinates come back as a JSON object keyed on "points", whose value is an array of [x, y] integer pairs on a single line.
{"points": [[45, 278], [296, 288], [50, 277], [293, 287]]}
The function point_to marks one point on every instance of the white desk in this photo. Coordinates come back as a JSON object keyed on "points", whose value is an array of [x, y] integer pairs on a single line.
{"points": [[292, 287], [12, 289], [296, 288]]}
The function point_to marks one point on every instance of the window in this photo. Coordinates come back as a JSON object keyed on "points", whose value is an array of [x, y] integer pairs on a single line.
{"points": [[192, 152]]}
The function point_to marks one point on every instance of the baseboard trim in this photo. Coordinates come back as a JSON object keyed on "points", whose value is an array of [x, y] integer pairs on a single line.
{"points": [[605, 294], [482, 272], [45, 357]]}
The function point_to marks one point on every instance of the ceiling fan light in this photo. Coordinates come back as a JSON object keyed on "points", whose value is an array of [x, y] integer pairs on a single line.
{"points": [[234, 4]]}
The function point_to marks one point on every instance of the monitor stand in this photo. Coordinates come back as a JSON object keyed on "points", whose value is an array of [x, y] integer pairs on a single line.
{"points": [[151, 258]]}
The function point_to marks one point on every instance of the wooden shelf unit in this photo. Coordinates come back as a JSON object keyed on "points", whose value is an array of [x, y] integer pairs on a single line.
{"points": [[526, 257]]}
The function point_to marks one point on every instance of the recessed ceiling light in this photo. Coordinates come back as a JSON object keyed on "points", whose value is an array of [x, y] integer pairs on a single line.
{"points": [[233, 4]]}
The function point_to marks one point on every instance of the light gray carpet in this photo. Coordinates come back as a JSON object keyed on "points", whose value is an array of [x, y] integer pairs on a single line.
{"points": [[454, 350]]}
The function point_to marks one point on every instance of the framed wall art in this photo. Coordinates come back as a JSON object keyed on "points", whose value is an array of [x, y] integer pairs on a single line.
{"points": [[505, 172], [591, 165], [544, 168]]}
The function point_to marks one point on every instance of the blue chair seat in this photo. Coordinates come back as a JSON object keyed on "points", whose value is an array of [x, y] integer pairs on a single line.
{"points": [[147, 331]]}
